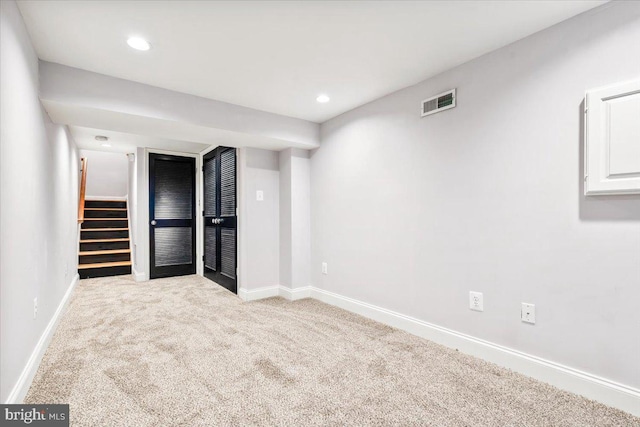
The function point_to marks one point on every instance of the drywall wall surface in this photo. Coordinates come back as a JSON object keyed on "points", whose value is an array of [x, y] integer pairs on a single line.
{"points": [[295, 218], [107, 174], [75, 95], [260, 227], [132, 207], [285, 218], [412, 213], [300, 218], [39, 167], [141, 237]]}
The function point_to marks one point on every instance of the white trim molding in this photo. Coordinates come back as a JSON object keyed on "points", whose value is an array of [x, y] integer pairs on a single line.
{"points": [[274, 291], [295, 293], [259, 293], [21, 387], [610, 128], [138, 276], [566, 378]]}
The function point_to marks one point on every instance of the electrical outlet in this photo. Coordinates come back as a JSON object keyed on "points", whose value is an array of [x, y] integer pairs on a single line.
{"points": [[325, 268], [475, 301], [35, 307], [259, 195], [528, 313]]}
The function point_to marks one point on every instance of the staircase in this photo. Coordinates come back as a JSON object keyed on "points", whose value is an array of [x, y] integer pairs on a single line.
{"points": [[104, 240]]}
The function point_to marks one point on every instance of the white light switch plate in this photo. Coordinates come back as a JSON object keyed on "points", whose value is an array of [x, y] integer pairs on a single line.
{"points": [[325, 268], [528, 313], [259, 195], [475, 301]]}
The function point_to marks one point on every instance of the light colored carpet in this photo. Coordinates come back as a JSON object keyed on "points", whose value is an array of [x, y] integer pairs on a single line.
{"points": [[183, 351]]}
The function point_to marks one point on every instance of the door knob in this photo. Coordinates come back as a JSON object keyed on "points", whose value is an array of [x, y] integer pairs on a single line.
{"points": [[213, 221], [153, 222]]}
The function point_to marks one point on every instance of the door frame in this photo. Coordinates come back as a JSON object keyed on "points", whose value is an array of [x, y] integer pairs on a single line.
{"points": [[142, 222], [156, 271]]}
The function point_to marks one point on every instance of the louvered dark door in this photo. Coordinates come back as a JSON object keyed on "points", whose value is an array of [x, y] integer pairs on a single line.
{"points": [[220, 231], [172, 214]]}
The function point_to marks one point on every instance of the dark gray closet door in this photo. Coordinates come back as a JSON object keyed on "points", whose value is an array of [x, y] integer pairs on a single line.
{"points": [[172, 228], [220, 221]]}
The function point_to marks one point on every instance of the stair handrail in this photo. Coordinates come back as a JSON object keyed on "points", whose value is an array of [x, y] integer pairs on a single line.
{"points": [[83, 187]]}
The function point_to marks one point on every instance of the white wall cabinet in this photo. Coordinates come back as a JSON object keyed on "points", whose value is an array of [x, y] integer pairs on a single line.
{"points": [[612, 140]]}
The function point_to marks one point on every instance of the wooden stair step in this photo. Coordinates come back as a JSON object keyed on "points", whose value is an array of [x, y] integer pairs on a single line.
{"points": [[104, 265], [123, 239], [106, 219], [105, 209], [105, 229], [114, 204], [105, 252]]}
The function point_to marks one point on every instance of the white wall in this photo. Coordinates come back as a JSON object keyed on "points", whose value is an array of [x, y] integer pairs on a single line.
{"points": [[285, 218], [107, 174], [413, 213], [140, 235], [132, 207], [93, 100], [300, 218], [39, 201], [295, 218], [259, 220]]}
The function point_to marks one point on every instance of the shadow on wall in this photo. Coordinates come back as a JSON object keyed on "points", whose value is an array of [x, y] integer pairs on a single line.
{"points": [[603, 208]]}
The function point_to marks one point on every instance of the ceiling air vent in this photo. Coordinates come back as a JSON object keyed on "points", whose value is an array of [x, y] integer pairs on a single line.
{"points": [[438, 103]]}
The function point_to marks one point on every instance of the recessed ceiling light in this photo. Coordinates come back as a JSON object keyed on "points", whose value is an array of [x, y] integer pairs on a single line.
{"points": [[106, 145], [323, 98], [102, 138], [138, 43]]}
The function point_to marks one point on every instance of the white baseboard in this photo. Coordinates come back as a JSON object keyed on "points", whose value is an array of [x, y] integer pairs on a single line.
{"points": [[259, 293], [137, 276], [295, 293], [21, 388], [274, 291], [566, 378]]}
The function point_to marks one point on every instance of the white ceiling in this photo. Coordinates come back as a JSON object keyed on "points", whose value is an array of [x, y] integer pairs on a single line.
{"points": [[278, 56]]}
